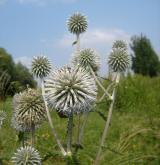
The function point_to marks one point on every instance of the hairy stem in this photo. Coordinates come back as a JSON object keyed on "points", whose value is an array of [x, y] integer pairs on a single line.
{"points": [[78, 43], [51, 123], [86, 114], [69, 133], [32, 134]]}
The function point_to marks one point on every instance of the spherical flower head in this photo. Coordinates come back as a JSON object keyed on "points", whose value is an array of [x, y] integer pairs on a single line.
{"points": [[87, 58], [70, 89], [77, 23], [118, 60], [26, 156], [29, 110], [119, 44], [41, 66]]}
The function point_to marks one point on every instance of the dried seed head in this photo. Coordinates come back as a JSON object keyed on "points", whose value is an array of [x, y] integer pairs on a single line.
{"points": [[77, 23], [70, 89], [26, 155], [41, 66], [118, 60], [87, 58], [29, 109]]}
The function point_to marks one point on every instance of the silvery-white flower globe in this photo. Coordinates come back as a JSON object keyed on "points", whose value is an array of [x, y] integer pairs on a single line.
{"points": [[77, 23], [26, 156], [118, 60], [87, 58], [119, 44], [41, 66], [29, 109], [70, 89]]}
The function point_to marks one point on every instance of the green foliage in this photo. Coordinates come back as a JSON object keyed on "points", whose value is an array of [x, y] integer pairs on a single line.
{"points": [[23, 76], [6, 63], [145, 60], [4, 84], [133, 138], [13, 77]]}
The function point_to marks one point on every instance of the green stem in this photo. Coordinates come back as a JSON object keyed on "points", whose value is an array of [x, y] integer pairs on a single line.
{"points": [[51, 123]]}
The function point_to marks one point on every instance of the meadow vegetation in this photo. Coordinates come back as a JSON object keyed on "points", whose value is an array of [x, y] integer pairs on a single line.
{"points": [[134, 134]]}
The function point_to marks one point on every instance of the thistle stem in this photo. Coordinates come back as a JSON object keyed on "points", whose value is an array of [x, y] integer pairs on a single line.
{"points": [[86, 114], [69, 135], [105, 132], [78, 43], [51, 124], [108, 88], [33, 134], [99, 83]]}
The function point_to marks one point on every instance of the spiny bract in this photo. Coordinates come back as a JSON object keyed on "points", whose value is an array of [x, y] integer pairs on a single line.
{"points": [[41, 66], [70, 89], [87, 58], [118, 60], [26, 156], [77, 23], [29, 109], [119, 44]]}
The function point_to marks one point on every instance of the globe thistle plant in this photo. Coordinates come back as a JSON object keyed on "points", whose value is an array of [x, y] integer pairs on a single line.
{"points": [[41, 66], [70, 89], [77, 23], [87, 58], [29, 109], [26, 156], [118, 60]]}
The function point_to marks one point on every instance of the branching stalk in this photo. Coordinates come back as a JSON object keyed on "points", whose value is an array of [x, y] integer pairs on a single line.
{"points": [[51, 124], [105, 132], [99, 83]]}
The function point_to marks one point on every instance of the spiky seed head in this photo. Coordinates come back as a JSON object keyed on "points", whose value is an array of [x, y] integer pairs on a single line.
{"points": [[119, 44], [29, 109], [41, 66], [70, 89], [26, 156], [77, 23], [87, 58], [118, 60]]}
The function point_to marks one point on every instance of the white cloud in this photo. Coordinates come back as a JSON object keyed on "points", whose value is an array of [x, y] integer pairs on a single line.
{"points": [[100, 39], [26, 61], [44, 2], [96, 37]]}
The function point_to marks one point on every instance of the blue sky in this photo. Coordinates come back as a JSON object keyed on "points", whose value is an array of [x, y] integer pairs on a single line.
{"points": [[33, 27]]}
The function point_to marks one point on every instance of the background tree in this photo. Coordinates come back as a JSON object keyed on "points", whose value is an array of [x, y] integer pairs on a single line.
{"points": [[19, 75], [144, 58]]}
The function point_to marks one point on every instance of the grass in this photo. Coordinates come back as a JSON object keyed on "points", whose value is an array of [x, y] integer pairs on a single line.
{"points": [[134, 135]]}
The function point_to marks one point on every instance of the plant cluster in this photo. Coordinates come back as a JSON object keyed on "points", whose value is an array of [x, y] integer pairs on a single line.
{"points": [[71, 91]]}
